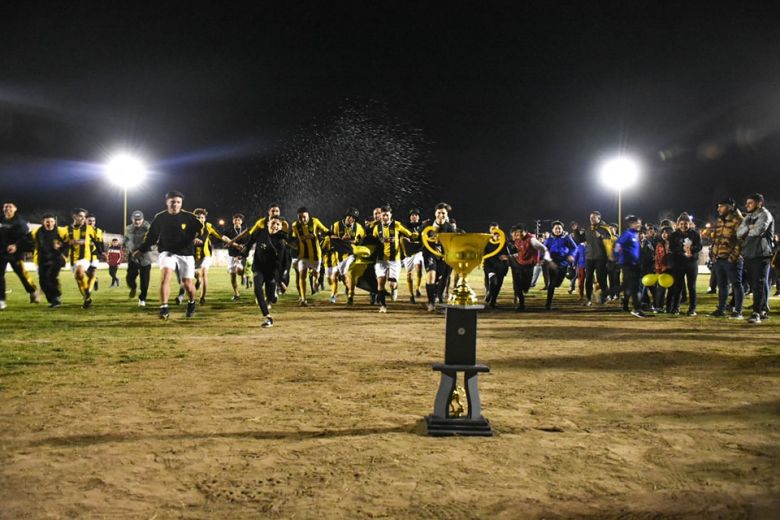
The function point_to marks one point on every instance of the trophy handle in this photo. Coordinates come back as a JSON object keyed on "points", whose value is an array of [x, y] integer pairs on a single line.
{"points": [[501, 242], [425, 241]]}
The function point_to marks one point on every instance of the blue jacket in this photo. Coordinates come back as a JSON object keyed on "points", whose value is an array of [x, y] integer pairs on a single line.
{"points": [[560, 249], [580, 256], [627, 248]]}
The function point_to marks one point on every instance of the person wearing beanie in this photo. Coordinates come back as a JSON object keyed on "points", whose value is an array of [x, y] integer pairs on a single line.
{"points": [[727, 258], [756, 233], [627, 254], [685, 246]]}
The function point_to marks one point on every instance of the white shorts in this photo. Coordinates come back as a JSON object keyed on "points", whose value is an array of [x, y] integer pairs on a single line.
{"points": [[331, 271], [235, 264], [411, 261], [388, 269], [83, 263], [303, 263], [205, 263], [186, 264], [345, 264], [95, 263]]}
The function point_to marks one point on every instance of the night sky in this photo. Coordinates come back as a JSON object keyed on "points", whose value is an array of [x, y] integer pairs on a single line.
{"points": [[511, 107]]}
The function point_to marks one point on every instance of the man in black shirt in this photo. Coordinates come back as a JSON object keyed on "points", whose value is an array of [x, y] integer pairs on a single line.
{"points": [[13, 235], [174, 231]]}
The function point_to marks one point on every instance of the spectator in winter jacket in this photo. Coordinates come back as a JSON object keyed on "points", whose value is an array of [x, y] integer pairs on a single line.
{"points": [[524, 248], [598, 239], [114, 258], [561, 248], [627, 252], [579, 264], [756, 233], [725, 253], [684, 246], [663, 265], [138, 265]]}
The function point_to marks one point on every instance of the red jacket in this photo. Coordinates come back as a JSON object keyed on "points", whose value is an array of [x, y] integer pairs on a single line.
{"points": [[114, 256], [526, 253]]}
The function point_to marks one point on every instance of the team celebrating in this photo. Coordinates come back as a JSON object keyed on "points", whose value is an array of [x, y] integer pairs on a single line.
{"points": [[649, 268]]}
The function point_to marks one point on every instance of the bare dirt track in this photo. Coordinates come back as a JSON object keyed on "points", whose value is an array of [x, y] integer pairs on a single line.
{"points": [[596, 415]]}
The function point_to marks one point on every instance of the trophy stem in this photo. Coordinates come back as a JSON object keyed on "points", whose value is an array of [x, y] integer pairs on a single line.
{"points": [[463, 294]]}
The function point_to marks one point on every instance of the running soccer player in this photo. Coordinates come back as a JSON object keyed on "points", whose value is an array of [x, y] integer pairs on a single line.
{"points": [[175, 232], [98, 250], [13, 233], [307, 230], [236, 259], [413, 256], [388, 264], [80, 237], [50, 244], [343, 235], [203, 254]]}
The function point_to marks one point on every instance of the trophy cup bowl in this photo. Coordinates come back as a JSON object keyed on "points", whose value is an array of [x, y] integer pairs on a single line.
{"points": [[464, 252]]}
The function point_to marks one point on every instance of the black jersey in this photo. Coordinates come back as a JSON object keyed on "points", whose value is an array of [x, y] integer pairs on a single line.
{"points": [[409, 245], [12, 232], [232, 233], [173, 234]]}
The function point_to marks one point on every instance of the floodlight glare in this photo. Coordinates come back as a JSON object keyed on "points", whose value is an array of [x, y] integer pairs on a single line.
{"points": [[125, 170], [620, 173]]}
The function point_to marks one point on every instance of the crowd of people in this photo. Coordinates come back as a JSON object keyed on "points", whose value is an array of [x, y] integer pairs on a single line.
{"points": [[648, 268]]}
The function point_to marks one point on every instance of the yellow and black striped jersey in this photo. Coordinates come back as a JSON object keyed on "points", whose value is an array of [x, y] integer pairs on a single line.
{"points": [[205, 236], [330, 257], [80, 239], [389, 238], [97, 245], [347, 237], [308, 236]]}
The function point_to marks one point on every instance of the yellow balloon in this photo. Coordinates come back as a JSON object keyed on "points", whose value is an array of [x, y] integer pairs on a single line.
{"points": [[649, 280], [666, 280]]}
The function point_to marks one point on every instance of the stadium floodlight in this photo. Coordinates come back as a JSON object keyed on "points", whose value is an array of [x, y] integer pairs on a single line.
{"points": [[126, 171], [618, 174]]}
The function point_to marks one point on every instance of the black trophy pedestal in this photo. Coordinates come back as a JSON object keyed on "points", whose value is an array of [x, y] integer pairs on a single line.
{"points": [[460, 354]]}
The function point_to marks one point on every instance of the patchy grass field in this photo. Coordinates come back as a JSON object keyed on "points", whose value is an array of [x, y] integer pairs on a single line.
{"points": [[110, 413]]}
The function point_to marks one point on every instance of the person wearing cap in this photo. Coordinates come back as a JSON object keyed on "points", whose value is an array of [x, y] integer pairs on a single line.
{"points": [[561, 247], [628, 249], [344, 234], [413, 256], [684, 247], [756, 233], [13, 236], [725, 252], [175, 233], [138, 266]]}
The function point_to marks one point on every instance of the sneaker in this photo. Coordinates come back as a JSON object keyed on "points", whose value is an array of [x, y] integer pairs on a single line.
{"points": [[179, 299], [333, 299], [711, 291], [638, 314], [235, 298], [736, 316], [764, 316], [755, 318], [164, 312], [132, 293], [717, 314], [141, 303], [56, 304], [382, 308], [675, 313], [588, 303], [692, 313], [87, 303], [35, 297], [190, 310], [269, 322], [303, 303]]}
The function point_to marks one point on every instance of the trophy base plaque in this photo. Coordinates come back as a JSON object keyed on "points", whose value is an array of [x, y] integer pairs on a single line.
{"points": [[438, 427]]}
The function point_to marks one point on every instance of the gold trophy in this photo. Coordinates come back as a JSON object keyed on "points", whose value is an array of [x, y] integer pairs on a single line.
{"points": [[464, 252]]}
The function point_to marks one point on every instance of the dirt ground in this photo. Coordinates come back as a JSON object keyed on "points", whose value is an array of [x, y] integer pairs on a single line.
{"points": [[110, 413]]}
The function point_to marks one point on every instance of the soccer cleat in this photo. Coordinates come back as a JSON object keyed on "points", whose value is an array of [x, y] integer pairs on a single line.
{"points": [[269, 322], [382, 308], [333, 299], [164, 312], [179, 299], [141, 303], [190, 309], [87, 303], [755, 318], [235, 298], [303, 303], [764, 316]]}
